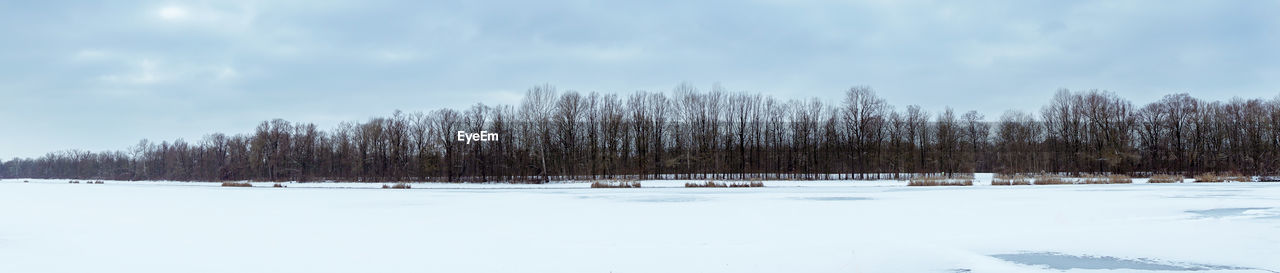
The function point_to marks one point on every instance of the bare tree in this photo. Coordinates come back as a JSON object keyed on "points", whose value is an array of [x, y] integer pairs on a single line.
{"points": [[863, 120], [537, 107], [975, 135]]}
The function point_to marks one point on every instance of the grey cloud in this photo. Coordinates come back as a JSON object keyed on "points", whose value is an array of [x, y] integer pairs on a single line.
{"points": [[103, 75]]}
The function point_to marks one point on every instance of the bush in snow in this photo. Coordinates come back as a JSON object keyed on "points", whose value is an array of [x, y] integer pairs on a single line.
{"points": [[615, 184], [1050, 180], [1237, 177], [1209, 178], [278, 185], [746, 185], [939, 180], [1222, 177], [1165, 178], [1010, 180], [1109, 179], [236, 184], [709, 184], [397, 186], [528, 181]]}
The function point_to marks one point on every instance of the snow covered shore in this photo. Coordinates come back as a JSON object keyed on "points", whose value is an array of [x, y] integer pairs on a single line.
{"points": [[788, 226]]}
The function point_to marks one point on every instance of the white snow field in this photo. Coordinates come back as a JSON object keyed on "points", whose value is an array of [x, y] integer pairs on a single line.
{"points": [[814, 226]]}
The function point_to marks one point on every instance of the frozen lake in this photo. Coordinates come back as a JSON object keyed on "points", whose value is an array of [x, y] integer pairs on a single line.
{"points": [[53, 226]]}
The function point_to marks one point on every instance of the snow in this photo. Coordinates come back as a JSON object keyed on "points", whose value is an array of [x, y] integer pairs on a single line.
{"points": [[788, 226]]}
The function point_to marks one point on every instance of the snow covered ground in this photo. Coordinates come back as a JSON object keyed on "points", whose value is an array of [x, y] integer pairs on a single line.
{"points": [[804, 226]]}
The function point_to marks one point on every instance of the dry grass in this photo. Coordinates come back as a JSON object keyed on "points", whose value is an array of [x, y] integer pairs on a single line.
{"points": [[709, 184], [1209, 178], [1222, 177], [712, 184], [528, 181], [1010, 180], [1051, 180], [1119, 179], [615, 184], [746, 185], [397, 186], [927, 183], [73, 182], [278, 185], [938, 180], [1165, 178], [1237, 177], [99, 182], [1108, 179], [236, 184]]}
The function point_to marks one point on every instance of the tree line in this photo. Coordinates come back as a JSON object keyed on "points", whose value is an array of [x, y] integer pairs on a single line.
{"points": [[717, 134]]}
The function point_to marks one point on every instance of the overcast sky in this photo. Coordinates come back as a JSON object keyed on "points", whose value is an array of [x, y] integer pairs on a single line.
{"points": [[101, 76]]}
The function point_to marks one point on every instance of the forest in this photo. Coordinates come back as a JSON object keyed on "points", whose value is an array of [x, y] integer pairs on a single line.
{"points": [[716, 134]]}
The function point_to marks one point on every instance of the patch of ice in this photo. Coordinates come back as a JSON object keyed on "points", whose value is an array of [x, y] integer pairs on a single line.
{"points": [[834, 198], [1059, 261], [1232, 212], [668, 199]]}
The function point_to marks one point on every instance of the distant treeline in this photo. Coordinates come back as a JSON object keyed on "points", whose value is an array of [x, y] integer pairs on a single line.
{"points": [[688, 134]]}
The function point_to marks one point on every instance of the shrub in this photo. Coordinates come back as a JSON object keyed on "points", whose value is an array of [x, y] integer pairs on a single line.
{"points": [[1237, 177], [529, 181], [937, 180], [1051, 180], [1109, 179], [1222, 177], [98, 182], [615, 184], [924, 180], [397, 186], [1092, 179], [709, 184], [1119, 179], [1260, 179], [1209, 178], [915, 183], [236, 184], [73, 182], [1165, 178], [1010, 180], [278, 185]]}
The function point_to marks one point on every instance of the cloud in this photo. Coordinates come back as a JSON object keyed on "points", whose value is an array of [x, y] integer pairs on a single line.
{"points": [[396, 56], [90, 55], [226, 73], [143, 72], [224, 65], [172, 13], [153, 69], [227, 19]]}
